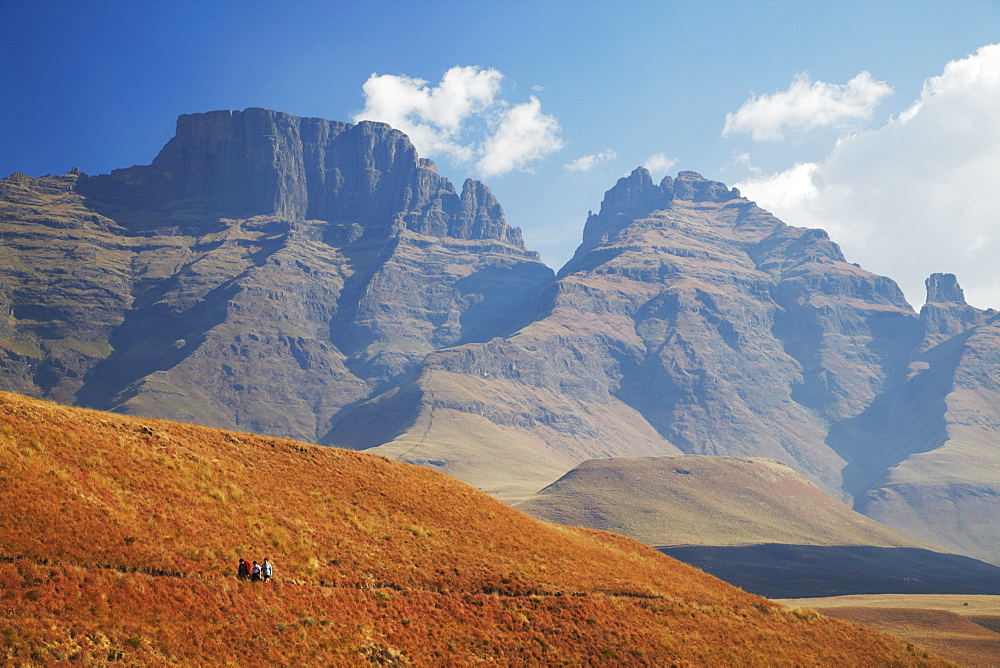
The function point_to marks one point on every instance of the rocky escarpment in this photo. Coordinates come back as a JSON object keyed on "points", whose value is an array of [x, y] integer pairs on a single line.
{"points": [[926, 453], [264, 272], [690, 320], [696, 315]]}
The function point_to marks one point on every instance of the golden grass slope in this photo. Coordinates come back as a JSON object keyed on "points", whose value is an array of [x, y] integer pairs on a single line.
{"points": [[120, 538], [705, 500]]}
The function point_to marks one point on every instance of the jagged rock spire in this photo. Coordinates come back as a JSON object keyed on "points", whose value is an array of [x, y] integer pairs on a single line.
{"points": [[944, 289]]}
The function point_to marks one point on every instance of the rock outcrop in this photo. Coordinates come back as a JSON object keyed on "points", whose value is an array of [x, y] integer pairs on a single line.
{"points": [[932, 445], [264, 272]]}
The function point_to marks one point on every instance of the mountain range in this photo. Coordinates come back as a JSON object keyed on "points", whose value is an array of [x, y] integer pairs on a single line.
{"points": [[318, 280]]}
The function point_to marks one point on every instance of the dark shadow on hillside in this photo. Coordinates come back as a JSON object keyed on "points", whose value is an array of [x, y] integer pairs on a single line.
{"points": [[804, 571], [902, 421]]}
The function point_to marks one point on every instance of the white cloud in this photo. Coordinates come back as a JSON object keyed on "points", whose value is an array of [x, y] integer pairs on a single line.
{"points": [[658, 165], [587, 162], [463, 118], [807, 105], [784, 190], [920, 194], [523, 135]]}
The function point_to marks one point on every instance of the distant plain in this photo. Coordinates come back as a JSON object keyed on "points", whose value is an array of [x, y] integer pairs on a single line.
{"points": [[964, 629]]}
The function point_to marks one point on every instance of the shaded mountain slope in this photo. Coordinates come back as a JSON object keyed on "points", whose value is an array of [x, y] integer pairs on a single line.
{"points": [[924, 456], [121, 535], [781, 570]]}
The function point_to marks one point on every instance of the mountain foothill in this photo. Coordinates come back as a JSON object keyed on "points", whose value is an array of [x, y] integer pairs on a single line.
{"points": [[319, 281]]}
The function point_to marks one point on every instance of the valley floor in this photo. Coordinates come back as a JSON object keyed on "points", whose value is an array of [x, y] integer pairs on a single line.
{"points": [[962, 628]]}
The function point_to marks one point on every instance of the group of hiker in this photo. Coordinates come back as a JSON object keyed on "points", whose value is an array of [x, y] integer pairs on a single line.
{"points": [[255, 572]]}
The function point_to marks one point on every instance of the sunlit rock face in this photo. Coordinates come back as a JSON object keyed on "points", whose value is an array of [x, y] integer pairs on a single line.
{"points": [[262, 273]]}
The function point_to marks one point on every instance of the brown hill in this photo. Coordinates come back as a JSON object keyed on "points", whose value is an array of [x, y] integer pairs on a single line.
{"points": [[702, 500], [951, 635], [755, 523], [121, 536]]}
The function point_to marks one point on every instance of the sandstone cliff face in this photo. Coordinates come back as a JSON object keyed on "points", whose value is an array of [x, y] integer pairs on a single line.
{"points": [[264, 272]]}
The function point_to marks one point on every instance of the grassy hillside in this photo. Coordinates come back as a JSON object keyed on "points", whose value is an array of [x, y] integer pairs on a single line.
{"points": [[121, 535], [699, 500]]}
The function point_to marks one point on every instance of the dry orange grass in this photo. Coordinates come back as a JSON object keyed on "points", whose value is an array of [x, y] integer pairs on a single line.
{"points": [[120, 538], [962, 628], [949, 634]]}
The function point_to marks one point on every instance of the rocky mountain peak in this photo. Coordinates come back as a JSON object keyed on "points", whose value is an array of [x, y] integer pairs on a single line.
{"points": [[634, 195], [696, 188], [637, 196], [944, 289], [239, 164], [480, 216]]}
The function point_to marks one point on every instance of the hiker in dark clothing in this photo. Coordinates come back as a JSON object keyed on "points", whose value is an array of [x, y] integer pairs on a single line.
{"points": [[243, 572]]}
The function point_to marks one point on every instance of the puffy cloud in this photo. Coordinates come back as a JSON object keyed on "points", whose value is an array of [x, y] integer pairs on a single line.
{"points": [[785, 190], [463, 118], [523, 135], [920, 194], [659, 164], [807, 105], [587, 162]]}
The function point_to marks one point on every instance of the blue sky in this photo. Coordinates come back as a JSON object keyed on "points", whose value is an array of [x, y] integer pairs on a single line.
{"points": [[842, 115]]}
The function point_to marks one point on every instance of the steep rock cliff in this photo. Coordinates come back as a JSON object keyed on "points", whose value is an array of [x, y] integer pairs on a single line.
{"points": [[698, 319], [264, 272]]}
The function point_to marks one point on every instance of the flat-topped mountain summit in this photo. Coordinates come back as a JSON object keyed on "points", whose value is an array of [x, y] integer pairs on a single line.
{"points": [[319, 280], [262, 273]]}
